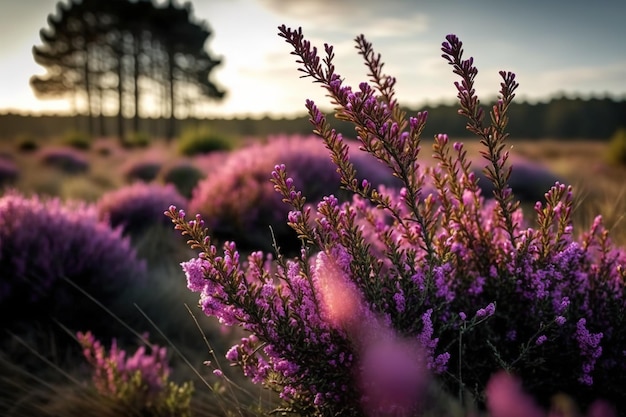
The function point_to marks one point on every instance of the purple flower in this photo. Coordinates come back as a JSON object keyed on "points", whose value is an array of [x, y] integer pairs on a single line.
{"points": [[137, 207], [66, 159], [44, 242], [402, 260]]}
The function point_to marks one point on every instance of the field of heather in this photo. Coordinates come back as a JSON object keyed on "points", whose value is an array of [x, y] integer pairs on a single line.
{"points": [[86, 248], [382, 275]]}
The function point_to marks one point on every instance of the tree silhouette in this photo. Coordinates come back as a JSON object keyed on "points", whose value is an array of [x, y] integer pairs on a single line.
{"points": [[109, 53]]}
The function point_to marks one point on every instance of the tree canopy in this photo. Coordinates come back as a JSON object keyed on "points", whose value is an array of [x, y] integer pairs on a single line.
{"points": [[129, 58]]}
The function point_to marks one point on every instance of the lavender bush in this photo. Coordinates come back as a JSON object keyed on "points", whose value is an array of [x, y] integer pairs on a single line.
{"points": [[140, 383], [432, 280], [43, 242], [237, 199]]}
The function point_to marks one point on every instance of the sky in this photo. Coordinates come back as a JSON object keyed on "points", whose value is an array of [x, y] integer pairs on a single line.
{"points": [[556, 47]]}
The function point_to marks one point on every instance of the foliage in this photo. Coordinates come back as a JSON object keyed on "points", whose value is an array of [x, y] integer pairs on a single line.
{"points": [[236, 198], [136, 140], [77, 140], [426, 281], [89, 42], [139, 382], [616, 153], [184, 176], [144, 170], [9, 172], [134, 208], [67, 160], [202, 140], [43, 243], [26, 143]]}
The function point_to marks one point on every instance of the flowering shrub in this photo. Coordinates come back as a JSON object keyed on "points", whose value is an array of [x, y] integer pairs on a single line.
{"points": [[202, 140], [139, 382], [76, 139], [44, 241], [431, 279], [66, 159], [142, 170], [237, 199], [139, 206], [9, 172], [184, 175]]}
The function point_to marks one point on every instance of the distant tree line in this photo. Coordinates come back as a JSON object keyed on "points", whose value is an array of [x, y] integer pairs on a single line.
{"points": [[560, 118], [133, 59]]}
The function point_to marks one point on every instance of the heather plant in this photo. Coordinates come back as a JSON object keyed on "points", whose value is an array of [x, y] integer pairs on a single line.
{"points": [[237, 200], [9, 172], [76, 139], [47, 245], [183, 175], [139, 383], [26, 143], [145, 170], [399, 287], [67, 160], [136, 140], [139, 206], [202, 140]]}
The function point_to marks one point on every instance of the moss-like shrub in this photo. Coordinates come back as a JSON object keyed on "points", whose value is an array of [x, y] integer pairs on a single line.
{"points": [[184, 176], [76, 139], [203, 140], [616, 153], [136, 140], [26, 143], [143, 170], [65, 159]]}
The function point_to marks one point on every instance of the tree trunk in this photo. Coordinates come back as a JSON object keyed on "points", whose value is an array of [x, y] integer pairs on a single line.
{"points": [[120, 99], [170, 131], [136, 72]]}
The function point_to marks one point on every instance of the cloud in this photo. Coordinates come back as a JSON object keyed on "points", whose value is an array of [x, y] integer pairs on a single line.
{"points": [[587, 79], [382, 19]]}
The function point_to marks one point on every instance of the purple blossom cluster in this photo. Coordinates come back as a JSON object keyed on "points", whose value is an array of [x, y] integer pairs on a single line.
{"points": [[145, 170], [43, 243], [237, 199], [9, 172], [66, 159], [429, 280], [140, 381], [138, 206]]}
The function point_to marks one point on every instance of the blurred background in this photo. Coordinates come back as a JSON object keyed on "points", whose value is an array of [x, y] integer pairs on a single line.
{"points": [[120, 65]]}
